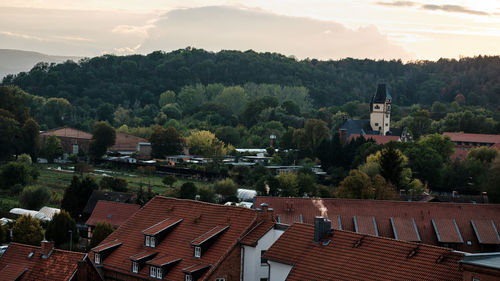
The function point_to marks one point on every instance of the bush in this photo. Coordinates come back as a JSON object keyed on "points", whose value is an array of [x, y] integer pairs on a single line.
{"points": [[115, 184], [227, 189], [188, 190], [15, 175], [27, 230], [34, 197], [101, 231], [206, 194], [169, 180]]}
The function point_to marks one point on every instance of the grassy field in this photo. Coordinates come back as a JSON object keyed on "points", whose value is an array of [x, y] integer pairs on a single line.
{"points": [[58, 177]]}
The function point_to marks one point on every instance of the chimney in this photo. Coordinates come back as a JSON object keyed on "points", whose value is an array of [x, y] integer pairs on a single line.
{"points": [[266, 213], [322, 227], [47, 248], [272, 140]]}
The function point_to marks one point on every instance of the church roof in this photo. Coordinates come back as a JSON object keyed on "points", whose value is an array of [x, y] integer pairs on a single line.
{"points": [[381, 94]]}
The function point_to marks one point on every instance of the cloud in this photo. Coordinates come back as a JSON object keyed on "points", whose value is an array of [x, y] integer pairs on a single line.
{"points": [[132, 29], [433, 7], [20, 35], [220, 27], [397, 4], [453, 9]]}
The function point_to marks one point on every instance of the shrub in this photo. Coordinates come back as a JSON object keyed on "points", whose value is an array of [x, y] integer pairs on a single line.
{"points": [[101, 231], [34, 197], [27, 230]]}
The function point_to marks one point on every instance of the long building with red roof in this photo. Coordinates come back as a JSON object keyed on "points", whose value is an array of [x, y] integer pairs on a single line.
{"points": [[467, 227], [343, 255], [175, 239]]}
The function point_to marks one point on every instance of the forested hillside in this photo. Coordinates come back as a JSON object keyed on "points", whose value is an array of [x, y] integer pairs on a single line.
{"points": [[129, 80]]}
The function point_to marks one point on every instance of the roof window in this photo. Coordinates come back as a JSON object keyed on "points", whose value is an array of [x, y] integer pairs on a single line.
{"points": [[202, 243], [154, 234]]}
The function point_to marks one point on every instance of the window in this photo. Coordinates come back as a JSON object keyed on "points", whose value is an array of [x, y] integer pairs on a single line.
{"points": [[156, 272], [188, 277], [97, 258], [475, 278], [197, 252], [147, 240], [262, 261], [377, 106], [220, 279], [153, 242], [135, 267], [376, 124], [263, 279]]}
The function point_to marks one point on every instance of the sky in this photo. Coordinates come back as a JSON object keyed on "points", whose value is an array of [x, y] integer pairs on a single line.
{"points": [[321, 29]]}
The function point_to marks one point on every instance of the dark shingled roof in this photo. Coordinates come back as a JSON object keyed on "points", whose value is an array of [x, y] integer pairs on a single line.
{"points": [[381, 94], [359, 127]]}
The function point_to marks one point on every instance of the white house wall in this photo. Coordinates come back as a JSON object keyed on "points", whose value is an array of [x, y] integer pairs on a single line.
{"points": [[253, 270], [279, 271]]}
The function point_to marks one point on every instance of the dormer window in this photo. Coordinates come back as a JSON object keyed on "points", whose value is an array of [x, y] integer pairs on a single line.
{"points": [[103, 250], [156, 272], [202, 243], [197, 252], [135, 267], [154, 234], [188, 277]]}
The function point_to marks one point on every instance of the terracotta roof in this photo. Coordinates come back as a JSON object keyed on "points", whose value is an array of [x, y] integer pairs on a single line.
{"points": [[143, 255], [106, 196], [17, 261], [106, 246], [405, 229], [379, 139], [447, 231], [161, 226], [374, 258], [460, 153], [67, 132], [290, 210], [253, 236], [165, 260], [126, 142], [366, 225], [114, 213], [212, 233], [486, 231], [475, 138], [198, 218], [196, 267]]}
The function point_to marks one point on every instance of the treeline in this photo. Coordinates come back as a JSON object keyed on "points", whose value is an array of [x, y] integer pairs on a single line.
{"points": [[139, 79]]}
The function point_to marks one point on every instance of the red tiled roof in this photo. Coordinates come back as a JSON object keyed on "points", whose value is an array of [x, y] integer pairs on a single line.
{"points": [[253, 236], [143, 255], [447, 231], [366, 225], [376, 258], [460, 154], [196, 267], [114, 213], [126, 142], [379, 139], [405, 229], [477, 138], [198, 218], [486, 231], [67, 132], [60, 265], [165, 260], [209, 235], [161, 226], [421, 212], [106, 246]]}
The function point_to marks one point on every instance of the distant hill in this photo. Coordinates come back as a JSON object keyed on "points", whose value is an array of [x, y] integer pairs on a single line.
{"points": [[15, 61], [139, 79]]}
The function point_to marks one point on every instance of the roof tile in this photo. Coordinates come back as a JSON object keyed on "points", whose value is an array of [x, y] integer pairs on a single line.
{"points": [[114, 213]]}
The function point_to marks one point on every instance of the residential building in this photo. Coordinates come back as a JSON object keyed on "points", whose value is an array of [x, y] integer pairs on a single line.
{"points": [[25, 262], [316, 252], [105, 196], [175, 239], [114, 213], [466, 227], [255, 243]]}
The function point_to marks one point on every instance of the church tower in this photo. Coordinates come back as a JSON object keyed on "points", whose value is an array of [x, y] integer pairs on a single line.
{"points": [[380, 110]]}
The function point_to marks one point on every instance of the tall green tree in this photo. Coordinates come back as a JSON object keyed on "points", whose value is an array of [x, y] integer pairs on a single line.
{"points": [[166, 97], [392, 164], [188, 190], [166, 142], [52, 148], [27, 230], [59, 227], [101, 231], [30, 138], [77, 194], [34, 197], [103, 137]]}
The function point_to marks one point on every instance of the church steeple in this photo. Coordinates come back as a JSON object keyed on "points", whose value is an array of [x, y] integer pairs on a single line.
{"points": [[380, 110]]}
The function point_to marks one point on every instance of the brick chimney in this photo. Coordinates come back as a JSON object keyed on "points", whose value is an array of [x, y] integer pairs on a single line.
{"points": [[322, 227], [265, 212], [47, 248]]}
